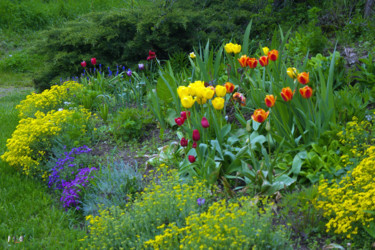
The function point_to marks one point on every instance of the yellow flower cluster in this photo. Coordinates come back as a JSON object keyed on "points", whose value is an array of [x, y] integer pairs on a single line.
{"points": [[232, 48], [49, 99], [235, 225], [26, 148], [166, 200], [197, 92], [348, 201]]}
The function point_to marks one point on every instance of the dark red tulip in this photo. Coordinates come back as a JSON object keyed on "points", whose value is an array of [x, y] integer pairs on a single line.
{"points": [[151, 55], [185, 114], [179, 121], [83, 64], [204, 122], [196, 135], [194, 145], [184, 142], [93, 61], [192, 158]]}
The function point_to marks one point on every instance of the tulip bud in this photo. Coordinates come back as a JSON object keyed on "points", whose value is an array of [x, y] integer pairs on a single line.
{"points": [[191, 158], [248, 127], [268, 126], [192, 55], [93, 61], [194, 145], [83, 64], [265, 50], [185, 114], [184, 142], [179, 121], [196, 135], [263, 60], [204, 122], [260, 115], [303, 78]]}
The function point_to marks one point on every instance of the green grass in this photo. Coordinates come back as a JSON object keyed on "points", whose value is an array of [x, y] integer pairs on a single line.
{"points": [[25, 206], [14, 79]]}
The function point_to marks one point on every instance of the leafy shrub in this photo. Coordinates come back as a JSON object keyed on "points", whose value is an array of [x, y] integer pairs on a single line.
{"points": [[130, 123], [165, 200], [236, 225], [114, 184], [348, 202]]}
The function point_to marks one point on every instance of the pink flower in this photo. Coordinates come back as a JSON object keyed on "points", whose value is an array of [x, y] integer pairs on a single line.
{"points": [[204, 122], [83, 64], [194, 145], [179, 121], [191, 158], [151, 55], [93, 61], [184, 142], [196, 135]]}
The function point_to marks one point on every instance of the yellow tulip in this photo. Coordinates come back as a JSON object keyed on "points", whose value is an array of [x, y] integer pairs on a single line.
{"points": [[209, 93], [266, 50], [183, 91], [200, 100], [236, 48], [187, 101], [292, 72], [218, 103], [220, 91], [229, 48]]}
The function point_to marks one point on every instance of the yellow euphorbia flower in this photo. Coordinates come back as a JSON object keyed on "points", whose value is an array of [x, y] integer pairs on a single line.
{"points": [[220, 91], [218, 103], [187, 101]]}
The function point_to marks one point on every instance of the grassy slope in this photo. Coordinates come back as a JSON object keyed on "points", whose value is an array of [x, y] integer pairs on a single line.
{"points": [[25, 206]]}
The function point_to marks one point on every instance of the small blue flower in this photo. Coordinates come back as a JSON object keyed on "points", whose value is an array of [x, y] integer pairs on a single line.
{"points": [[129, 72], [201, 201]]}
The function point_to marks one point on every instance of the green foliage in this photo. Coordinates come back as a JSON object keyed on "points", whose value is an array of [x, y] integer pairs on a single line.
{"points": [[113, 186], [130, 123], [365, 76]]}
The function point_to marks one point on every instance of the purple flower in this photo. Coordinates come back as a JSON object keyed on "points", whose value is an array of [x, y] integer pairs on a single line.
{"points": [[129, 72], [141, 66], [201, 201]]}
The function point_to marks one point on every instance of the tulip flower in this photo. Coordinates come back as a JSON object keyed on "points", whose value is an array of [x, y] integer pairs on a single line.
{"points": [[179, 121], [306, 92], [287, 94], [194, 145], [218, 103], [238, 97], [191, 158], [252, 63], [263, 60], [266, 50], [192, 55], [184, 142], [220, 91], [196, 135], [303, 78], [260, 115], [292, 72], [185, 114], [83, 64], [183, 91], [270, 100], [236, 48], [93, 61], [243, 60], [229, 87], [187, 101], [232, 48], [204, 122], [273, 55], [151, 55], [200, 100], [209, 92], [129, 72]]}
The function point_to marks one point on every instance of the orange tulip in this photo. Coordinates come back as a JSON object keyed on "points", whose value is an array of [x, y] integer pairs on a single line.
{"points": [[287, 94], [263, 60], [260, 115], [238, 97], [229, 86], [252, 63], [303, 78], [306, 92], [273, 55], [243, 60], [270, 100]]}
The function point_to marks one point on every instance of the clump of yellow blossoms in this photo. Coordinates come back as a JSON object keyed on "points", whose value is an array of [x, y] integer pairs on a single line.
{"points": [[347, 203], [236, 225], [31, 141], [49, 99], [164, 201], [197, 92]]}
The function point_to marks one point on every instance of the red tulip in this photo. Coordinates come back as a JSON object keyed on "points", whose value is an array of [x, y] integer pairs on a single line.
{"points": [[287, 94], [151, 55], [179, 121], [83, 64], [260, 115], [184, 142], [93, 61], [270, 100], [303, 78], [252, 63], [306, 92], [194, 145], [263, 60], [204, 122], [192, 158], [196, 135], [185, 114], [273, 55]]}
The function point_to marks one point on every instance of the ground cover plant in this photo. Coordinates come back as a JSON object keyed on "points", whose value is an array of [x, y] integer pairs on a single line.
{"points": [[244, 140]]}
